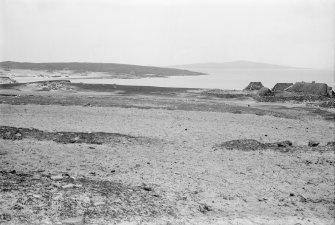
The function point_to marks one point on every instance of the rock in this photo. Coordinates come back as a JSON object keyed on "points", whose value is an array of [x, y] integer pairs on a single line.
{"points": [[98, 203], [313, 143], [68, 186], [205, 208], [37, 196], [79, 220], [147, 188], [302, 198], [284, 143], [57, 177]]}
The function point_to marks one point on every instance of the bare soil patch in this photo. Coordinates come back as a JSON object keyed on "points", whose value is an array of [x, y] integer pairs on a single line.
{"points": [[50, 198], [14, 133]]}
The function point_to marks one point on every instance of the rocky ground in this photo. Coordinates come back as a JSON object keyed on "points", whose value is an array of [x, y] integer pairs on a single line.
{"points": [[169, 156]]}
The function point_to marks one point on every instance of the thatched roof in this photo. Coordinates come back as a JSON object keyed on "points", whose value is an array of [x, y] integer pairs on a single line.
{"points": [[281, 86], [309, 88], [253, 86]]}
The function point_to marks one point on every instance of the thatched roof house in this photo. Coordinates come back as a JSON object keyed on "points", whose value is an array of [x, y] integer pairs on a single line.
{"points": [[309, 88], [281, 86], [254, 86]]}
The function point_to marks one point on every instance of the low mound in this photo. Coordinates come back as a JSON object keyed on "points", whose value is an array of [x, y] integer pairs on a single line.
{"points": [[309, 88], [14, 133], [252, 145], [282, 146], [281, 86], [55, 85], [254, 86]]}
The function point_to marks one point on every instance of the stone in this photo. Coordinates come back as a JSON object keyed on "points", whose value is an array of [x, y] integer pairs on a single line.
{"points": [[37, 196], [205, 208], [79, 220], [68, 186], [284, 143], [98, 203], [57, 177], [147, 188], [313, 143]]}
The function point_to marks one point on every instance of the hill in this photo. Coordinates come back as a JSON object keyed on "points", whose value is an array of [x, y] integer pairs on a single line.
{"points": [[108, 68], [240, 64]]}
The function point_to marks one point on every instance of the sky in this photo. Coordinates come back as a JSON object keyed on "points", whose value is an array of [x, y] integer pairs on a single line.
{"points": [[169, 32]]}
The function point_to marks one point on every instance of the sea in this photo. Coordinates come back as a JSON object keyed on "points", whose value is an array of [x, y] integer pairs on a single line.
{"points": [[232, 79]]}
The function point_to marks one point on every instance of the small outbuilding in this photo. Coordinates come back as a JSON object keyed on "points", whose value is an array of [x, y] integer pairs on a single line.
{"points": [[281, 86], [254, 86], [309, 88], [264, 91]]}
